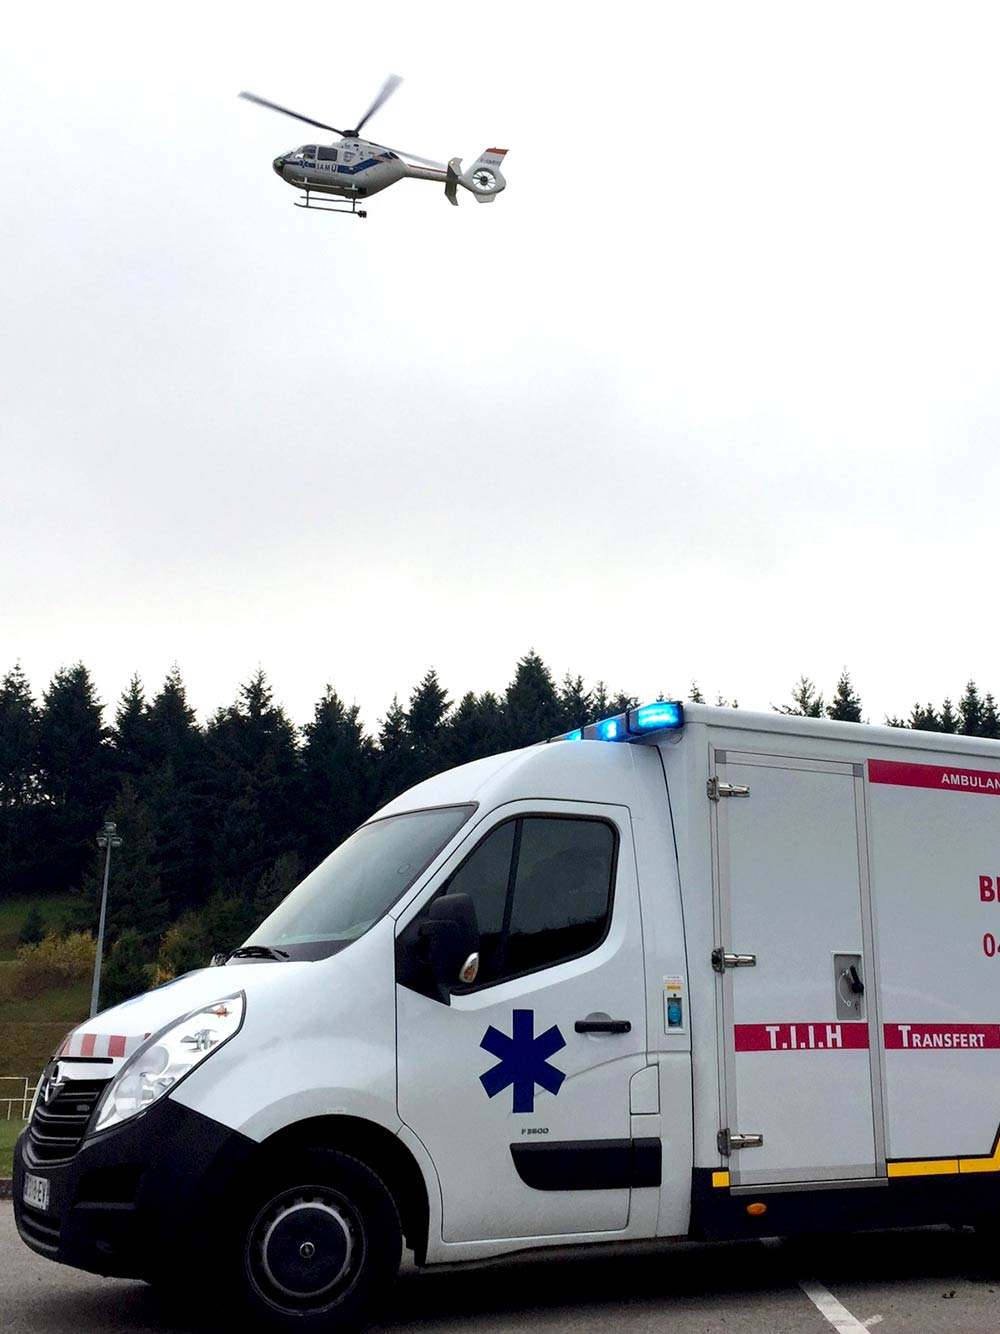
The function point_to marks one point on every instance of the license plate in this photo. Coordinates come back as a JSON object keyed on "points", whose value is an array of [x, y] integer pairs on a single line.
{"points": [[36, 1191]]}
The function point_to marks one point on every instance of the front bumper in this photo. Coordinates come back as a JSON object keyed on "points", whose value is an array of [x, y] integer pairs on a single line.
{"points": [[133, 1199]]}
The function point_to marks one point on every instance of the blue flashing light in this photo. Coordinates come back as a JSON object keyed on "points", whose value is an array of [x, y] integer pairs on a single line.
{"points": [[574, 736], [609, 730], [654, 717]]}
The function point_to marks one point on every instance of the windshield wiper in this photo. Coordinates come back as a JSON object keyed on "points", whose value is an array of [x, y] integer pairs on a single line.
{"points": [[257, 952]]}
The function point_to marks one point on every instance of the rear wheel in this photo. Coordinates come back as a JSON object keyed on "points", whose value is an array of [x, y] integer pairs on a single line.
{"points": [[321, 1242]]}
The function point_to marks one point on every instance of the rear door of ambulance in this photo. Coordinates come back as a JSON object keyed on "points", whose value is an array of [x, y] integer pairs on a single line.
{"points": [[935, 825], [799, 1041]]}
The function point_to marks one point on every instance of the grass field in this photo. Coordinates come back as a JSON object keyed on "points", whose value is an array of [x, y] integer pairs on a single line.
{"points": [[32, 1026], [9, 1131], [14, 913]]}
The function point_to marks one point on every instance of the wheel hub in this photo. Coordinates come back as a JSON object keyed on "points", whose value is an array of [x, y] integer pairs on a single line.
{"points": [[303, 1246]]}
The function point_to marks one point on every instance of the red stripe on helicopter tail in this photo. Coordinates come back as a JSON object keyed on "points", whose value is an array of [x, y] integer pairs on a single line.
{"points": [[500, 152]]}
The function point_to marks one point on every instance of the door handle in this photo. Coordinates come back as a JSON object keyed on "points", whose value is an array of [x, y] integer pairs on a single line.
{"points": [[602, 1026]]}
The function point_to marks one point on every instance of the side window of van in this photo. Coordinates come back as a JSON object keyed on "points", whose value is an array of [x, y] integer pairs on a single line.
{"points": [[542, 887]]}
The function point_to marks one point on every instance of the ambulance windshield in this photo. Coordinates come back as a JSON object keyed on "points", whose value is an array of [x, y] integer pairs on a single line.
{"points": [[357, 884]]}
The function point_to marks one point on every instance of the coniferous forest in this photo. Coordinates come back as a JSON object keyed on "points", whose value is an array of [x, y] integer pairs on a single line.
{"points": [[220, 820]]}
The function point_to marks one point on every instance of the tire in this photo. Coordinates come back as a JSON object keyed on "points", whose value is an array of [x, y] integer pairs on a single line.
{"points": [[320, 1245]]}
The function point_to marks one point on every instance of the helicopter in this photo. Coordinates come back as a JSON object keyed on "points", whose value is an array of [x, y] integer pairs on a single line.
{"points": [[354, 168]]}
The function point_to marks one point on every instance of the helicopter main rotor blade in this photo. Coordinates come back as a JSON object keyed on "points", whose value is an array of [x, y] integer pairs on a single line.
{"points": [[385, 92], [424, 161], [286, 111]]}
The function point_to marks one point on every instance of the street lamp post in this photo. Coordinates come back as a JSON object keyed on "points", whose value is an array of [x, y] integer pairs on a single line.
{"points": [[108, 838]]}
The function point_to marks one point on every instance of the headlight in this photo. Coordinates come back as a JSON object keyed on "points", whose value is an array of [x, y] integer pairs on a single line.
{"points": [[163, 1061]]}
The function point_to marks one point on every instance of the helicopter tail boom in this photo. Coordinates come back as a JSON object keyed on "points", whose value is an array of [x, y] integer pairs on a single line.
{"points": [[483, 179]]}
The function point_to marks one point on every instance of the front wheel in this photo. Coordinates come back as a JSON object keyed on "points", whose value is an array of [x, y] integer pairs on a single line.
{"points": [[322, 1242]]}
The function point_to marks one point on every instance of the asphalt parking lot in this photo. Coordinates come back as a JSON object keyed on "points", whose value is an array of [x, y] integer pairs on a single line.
{"points": [[933, 1279]]}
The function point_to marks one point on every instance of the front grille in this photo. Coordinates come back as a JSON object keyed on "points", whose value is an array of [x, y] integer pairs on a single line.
{"points": [[57, 1127]]}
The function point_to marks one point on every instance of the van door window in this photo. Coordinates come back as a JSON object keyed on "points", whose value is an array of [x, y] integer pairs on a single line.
{"points": [[542, 888]]}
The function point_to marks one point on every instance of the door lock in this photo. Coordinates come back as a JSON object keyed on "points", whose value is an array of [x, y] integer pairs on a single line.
{"points": [[722, 959]]}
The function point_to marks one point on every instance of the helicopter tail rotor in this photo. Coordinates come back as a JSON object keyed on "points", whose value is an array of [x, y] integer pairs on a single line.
{"points": [[484, 178]]}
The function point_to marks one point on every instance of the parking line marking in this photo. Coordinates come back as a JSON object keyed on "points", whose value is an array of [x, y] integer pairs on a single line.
{"points": [[834, 1312]]}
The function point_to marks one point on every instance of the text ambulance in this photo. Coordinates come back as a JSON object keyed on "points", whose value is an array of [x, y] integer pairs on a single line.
{"points": [[693, 973]]}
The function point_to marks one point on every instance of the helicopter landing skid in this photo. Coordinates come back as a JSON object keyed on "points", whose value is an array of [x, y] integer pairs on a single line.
{"points": [[331, 208]]}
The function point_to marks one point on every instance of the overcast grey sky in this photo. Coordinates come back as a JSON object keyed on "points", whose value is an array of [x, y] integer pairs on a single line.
{"points": [[710, 392]]}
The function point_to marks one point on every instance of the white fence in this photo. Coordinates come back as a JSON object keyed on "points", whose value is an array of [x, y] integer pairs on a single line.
{"points": [[16, 1093]]}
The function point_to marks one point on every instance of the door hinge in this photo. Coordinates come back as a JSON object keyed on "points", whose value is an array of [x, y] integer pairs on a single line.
{"points": [[728, 1141], [722, 959], [718, 789]]}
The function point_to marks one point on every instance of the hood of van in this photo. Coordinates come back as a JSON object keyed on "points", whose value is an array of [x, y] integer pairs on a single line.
{"points": [[114, 1034]]}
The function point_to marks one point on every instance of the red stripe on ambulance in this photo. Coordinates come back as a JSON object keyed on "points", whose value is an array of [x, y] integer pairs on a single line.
{"points": [[99, 1045], [801, 1037], [944, 778], [943, 1037]]}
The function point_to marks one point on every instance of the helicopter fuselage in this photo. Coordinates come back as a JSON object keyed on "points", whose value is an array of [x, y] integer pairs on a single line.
{"points": [[351, 168]]}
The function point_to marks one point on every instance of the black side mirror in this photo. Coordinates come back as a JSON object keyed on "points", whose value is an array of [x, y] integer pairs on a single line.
{"points": [[449, 940]]}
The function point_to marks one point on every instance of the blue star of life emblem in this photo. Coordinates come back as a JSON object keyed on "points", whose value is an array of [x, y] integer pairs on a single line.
{"points": [[523, 1061]]}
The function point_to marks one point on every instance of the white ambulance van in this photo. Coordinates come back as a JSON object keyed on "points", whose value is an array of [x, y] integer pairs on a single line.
{"points": [[694, 973]]}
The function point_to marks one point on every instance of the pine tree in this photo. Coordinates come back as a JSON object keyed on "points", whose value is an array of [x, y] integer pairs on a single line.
{"points": [[18, 740], [72, 751], [135, 898], [608, 705], [947, 720], [806, 700], [20, 818], [845, 705], [124, 974], [531, 704], [924, 718], [338, 775], [474, 729], [34, 927], [990, 717], [575, 703], [396, 764], [970, 711], [174, 735], [254, 786], [695, 695], [75, 776], [130, 733], [425, 717], [177, 786]]}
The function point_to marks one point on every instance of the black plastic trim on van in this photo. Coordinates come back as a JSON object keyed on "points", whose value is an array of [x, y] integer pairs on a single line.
{"points": [[589, 1164]]}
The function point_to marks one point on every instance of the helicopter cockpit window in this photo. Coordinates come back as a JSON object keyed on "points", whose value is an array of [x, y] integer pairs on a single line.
{"points": [[309, 151], [327, 155]]}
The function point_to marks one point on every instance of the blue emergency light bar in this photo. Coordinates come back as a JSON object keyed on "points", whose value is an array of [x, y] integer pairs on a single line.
{"points": [[651, 717], [664, 715]]}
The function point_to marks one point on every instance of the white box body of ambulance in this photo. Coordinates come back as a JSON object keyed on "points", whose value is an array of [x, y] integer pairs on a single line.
{"points": [[693, 973]]}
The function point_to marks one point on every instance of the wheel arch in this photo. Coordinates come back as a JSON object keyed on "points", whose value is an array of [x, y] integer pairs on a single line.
{"points": [[379, 1149]]}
